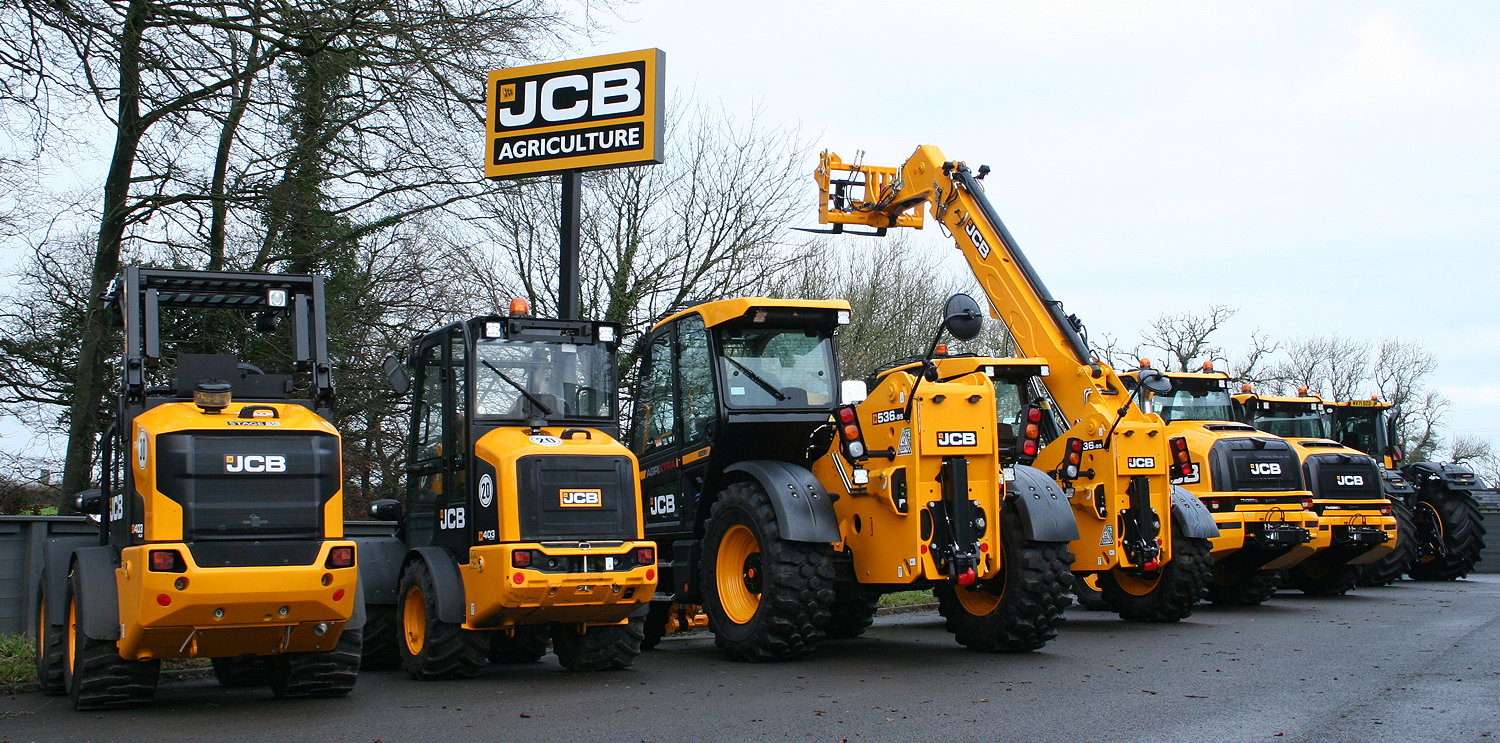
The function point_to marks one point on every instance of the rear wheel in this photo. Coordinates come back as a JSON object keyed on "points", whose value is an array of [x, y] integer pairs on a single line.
{"points": [[1168, 597], [526, 645], [1242, 587], [767, 598], [245, 670], [330, 673], [598, 648], [850, 616], [1086, 592], [1018, 611], [51, 650], [431, 648], [382, 634], [1458, 537], [1389, 569], [656, 624], [95, 674], [1319, 577]]}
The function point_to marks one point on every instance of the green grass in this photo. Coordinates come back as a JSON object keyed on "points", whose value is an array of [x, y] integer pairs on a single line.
{"points": [[17, 660], [907, 598]]}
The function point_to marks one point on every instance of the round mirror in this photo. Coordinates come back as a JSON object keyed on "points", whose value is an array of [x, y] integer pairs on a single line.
{"points": [[962, 318], [1155, 381]]}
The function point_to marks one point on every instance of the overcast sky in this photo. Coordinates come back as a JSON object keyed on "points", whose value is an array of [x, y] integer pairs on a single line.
{"points": [[1324, 167]]}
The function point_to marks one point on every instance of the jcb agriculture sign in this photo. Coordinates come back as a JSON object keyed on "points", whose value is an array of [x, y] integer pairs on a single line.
{"points": [[599, 112]]}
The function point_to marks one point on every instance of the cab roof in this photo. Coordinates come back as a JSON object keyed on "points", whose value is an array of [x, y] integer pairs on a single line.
{"points": [[729, 310]]}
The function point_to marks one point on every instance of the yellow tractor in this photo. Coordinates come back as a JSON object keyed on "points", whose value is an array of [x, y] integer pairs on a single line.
{"points": [[785, 515], [522, 518], [1143, 541], [1251, 483], [1356, 524], [220, 503]]}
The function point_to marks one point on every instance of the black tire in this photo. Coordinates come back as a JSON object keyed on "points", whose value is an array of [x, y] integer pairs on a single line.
{"points": [[607, 647], [1182, 583], [1087, 596], [51, 650], [527, 645], [382, 635], [656, 624], [434, 649], [1389, 569], [1462, 537], [1020, 614], [1318, 577], [791, 582], [330, 673], [850, 616], [1242, 587], [96, 676], [245, 670]]}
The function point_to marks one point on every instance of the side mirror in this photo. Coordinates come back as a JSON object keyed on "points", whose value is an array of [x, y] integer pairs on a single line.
{"points": [[90, 502], [853, 392], [385, 509], [962, 317], [1154, 381], [395, 375]]}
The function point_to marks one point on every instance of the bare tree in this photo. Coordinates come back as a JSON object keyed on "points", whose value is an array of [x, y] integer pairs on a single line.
{"points": [[1184, 337], [1478, 453], [1400, 372]]}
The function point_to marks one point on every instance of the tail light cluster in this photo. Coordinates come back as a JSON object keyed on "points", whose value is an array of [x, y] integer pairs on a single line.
{"points": [[1182, 461], [642, 556], [167, 561], [1031, 435], [1073, 459], [340, 557], [851, 439]]}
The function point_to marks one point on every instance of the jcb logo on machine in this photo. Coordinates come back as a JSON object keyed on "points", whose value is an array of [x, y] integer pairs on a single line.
{"points": [[1140, 463], [1265, 468], [254, 463], [1349, 481], [662, 505], [957, 438], [980, 244], [451, 518], [580, 498], [889, 416]]}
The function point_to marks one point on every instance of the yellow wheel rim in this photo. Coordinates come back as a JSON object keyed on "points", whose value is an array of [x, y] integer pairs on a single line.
{"points": [[738, 574], [977, 603], [72, 631], [414, 621], [1133, 585]]}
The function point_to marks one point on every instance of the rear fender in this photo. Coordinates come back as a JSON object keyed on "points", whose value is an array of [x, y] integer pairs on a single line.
{"points": [[804, 510], [1046, 515], [99, 597], [380, 561], [446, 582], [57, 559], [1191, 515]]}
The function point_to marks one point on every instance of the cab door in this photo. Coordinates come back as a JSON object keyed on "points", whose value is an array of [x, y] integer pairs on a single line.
{"points": [[437, 511], [676, 413]]}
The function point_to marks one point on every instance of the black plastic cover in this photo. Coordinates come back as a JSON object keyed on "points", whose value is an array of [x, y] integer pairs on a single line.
{"points": [[558, 492]]}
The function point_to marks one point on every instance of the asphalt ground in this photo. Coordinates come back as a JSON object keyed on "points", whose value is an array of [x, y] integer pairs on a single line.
{"points": [[1410, 662]]}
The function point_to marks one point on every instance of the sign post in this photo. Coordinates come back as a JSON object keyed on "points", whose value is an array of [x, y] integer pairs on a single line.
{"points": [[568, 117]]}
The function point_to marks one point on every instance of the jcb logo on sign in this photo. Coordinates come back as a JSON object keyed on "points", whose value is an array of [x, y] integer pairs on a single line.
{"points": [[957, 438], [1349, 481], [1265, 468], [254, 463], [1140, 463], [580, 498], [594, 95]]}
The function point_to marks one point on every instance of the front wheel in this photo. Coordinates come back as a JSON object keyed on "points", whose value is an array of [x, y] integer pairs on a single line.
{"points": [[767, 598], [1242, 587], [1457, 535], [1389, 569], [850, 616], [431, 648], [525, 644], [1169, 596], [598, 648], [1019, 610], [330, 673]]}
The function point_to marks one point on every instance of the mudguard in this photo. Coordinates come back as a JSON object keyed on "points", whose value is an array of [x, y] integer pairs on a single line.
{"points": [[446, 582], [357, 617], [1191, 515], [99, 601], [380, 561], [1046, 515], [57, 558], [804, 510]]}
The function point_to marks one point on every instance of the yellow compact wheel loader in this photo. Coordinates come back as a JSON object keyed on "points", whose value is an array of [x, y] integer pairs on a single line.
{"points": [[522, 520], [1142, 541], [1356, 523], [785, 515], [220, 502], [1250, 482]]}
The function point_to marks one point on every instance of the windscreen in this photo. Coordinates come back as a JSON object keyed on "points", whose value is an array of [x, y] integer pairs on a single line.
{"points": [[1194, 400], [1294, 422], [560, 380], [777, 368], [1358, 428]]}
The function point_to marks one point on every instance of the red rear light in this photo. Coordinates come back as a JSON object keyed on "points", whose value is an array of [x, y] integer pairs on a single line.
{"points": [[1307, 504], [1385, 510], [645, 555], [1214, 504], [1186, 470], [1028, 448], [846, 415], [520, 559], [1075, 445], [1034, 415], [341, 557], [164, 561]]}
